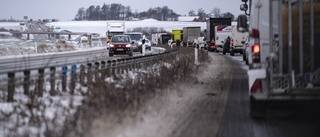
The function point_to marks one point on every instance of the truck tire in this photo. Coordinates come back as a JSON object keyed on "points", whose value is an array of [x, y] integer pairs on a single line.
{"points": [[244, 57], [257, 109], [231, 53]]}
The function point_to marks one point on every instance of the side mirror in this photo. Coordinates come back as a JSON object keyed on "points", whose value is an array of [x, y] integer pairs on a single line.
{"points": [[242, 25], [243, 7]]}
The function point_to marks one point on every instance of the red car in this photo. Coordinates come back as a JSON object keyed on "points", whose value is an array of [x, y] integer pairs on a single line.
{"points": [[120, 45]]}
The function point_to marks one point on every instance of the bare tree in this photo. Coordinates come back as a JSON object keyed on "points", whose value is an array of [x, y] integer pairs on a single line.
{"points": [[192, 13], [216, 12], [202, 14]]}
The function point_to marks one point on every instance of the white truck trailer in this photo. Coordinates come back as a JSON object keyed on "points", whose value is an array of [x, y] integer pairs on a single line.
{"points": [[221, 33], [284, 36]]}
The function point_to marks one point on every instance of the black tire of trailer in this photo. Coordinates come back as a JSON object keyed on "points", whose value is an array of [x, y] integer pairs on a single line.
{"points": [[223, 52], [244, 57], [258, 109], [232, 53]]}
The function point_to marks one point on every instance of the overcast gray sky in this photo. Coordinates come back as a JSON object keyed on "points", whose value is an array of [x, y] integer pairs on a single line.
{"points": [[67, 9]]}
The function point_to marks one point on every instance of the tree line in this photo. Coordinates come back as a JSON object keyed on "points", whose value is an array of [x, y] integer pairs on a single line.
{"points": [[214, 13], [120, 12]]}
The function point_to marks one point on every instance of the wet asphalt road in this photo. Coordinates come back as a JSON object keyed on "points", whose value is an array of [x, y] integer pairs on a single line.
{"points": [[237, 122]]}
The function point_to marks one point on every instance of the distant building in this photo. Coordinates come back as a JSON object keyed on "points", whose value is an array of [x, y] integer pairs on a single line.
{"points": [[191, 19], [187, 18]]}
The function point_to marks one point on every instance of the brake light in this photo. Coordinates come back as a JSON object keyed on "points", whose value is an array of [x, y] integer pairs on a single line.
{"points": [[255, 34], [232, 42], [256, 53], [257, 87], [256, 49]]}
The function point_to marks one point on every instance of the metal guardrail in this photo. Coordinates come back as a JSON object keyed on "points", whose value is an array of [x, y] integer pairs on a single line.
{"points": [[101, 63]]}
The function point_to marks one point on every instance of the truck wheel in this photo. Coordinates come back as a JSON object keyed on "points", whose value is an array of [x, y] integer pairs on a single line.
{"points": [[244, 57], [231, 53], [257, 109]]}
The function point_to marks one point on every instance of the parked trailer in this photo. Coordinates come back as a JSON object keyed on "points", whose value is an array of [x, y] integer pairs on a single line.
{"points": [[189, 34], [285, 55], [210, 31]]}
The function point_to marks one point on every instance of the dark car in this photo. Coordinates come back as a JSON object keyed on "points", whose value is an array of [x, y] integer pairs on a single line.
{"points": [[226, 45], [120, 45]]}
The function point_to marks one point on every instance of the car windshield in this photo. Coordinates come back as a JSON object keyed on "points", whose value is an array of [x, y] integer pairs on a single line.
{"points": [[135, 36], [120, 39], [147, 41]]}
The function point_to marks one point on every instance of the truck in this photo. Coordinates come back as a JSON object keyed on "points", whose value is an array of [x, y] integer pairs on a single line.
{"points": [[177, 36], [221, 33], [189, 34], [155, 38], [237, 41], [164, 38], [95, 40], [284, 41], [210, 30], [115, 28]]}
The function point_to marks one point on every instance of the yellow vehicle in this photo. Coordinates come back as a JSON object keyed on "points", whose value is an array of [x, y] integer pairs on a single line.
{"points": [[177, 36]]}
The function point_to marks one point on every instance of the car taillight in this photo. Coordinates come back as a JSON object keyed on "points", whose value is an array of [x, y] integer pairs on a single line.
{"points": [[232, 42], [256, 53], [256, 49], [257, 87], [255, 33]]}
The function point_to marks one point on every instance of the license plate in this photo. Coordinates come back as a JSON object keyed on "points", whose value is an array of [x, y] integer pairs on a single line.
{"points": [[119, 49]]}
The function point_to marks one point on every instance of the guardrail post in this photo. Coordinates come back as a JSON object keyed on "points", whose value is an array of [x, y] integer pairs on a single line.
{"points": [[64, 78], [109, 68], [73, 78], [40, 82], [122, 66], [96, 72], [52, 80], [118, 67], [103, 70], [11, 86], [89, 74], [127, 65], [26, 83], [114, 65], [82, 74]]}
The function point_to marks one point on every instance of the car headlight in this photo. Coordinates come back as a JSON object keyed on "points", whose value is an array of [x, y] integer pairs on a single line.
{"points": [[128, 45], [140, 43], [111, 45]]}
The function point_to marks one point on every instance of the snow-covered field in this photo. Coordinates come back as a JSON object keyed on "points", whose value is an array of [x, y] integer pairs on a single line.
{"points": [[101, 26]]}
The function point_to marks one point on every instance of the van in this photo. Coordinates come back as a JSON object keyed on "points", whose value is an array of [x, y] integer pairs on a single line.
{"points": [[237, 41]]}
